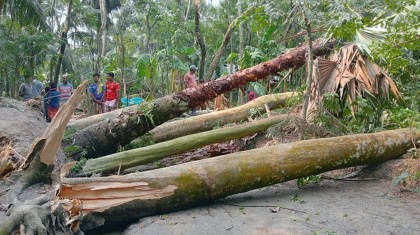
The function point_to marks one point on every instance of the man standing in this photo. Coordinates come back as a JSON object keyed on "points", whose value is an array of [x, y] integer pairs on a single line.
{"points": [[25, 89], [65, 89], [53, 100], [189, 78], [97, 92], [37, 88], [190, 82], [112, 93]]}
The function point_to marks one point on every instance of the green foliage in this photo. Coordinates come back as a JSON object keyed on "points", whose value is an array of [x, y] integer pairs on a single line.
{"points": [[143, 141], [297, 198], [406, 113], [401, 179], [78, 166], [312, 179], [372, 113], [147, 109], [296, 99], [72, 149]]}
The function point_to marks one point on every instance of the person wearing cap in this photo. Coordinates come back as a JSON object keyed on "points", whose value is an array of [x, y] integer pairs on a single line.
{"points": [[190, 82], [65, 89]]}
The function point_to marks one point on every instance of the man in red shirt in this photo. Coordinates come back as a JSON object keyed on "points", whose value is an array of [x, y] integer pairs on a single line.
{"points": [[112, 93]]}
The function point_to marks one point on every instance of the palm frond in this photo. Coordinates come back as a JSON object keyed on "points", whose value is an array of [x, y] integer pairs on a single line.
{"points": [[367, 36], [352, 75], [29, 12]]}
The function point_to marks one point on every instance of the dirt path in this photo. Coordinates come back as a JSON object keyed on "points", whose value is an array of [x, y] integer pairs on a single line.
{"points": [[329, 207]]}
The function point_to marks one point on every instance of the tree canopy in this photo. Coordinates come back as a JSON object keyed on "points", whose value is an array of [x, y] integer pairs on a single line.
{"points": [[149, 45]]}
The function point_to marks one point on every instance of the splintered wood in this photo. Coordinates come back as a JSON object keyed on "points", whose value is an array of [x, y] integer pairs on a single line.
{"points": [[99, 196]]}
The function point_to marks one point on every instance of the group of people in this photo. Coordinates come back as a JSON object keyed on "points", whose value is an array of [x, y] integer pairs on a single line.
{"points": [[104, 96], [55, 96]]}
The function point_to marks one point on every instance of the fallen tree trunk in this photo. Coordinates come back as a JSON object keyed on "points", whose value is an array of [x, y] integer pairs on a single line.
{"points": [[115, 199], [195, 124], [79, 124], [123, 160], [104, 137], [36, 215]]}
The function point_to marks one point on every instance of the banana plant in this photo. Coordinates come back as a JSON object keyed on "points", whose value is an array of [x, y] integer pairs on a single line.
{"points": [[147, 65]]}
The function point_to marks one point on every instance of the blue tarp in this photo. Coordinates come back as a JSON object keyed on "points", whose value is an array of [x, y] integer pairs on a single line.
{"points": [[131, 101]]}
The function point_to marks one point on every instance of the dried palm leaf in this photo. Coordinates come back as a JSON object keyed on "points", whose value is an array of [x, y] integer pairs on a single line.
{"points": [[325, 70], [351, 74]]}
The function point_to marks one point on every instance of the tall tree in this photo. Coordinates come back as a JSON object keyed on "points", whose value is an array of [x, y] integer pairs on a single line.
{"points": [[63, 40], [200, 40], [102, 36]]}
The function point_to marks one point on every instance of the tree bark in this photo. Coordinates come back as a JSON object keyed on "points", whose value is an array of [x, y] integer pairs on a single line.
{"points": [[77, 125], [36, 215], [222, 49], [63, 40], [115, 199], [41, 157], [103, 30], [195, 124], [131, 158], [273, 101], [187, 13], [200, 41], [101, 36], [309, 70], [104, 137]]}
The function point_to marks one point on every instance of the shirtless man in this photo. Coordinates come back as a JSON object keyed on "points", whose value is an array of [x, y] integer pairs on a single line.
{"points": [[189, 78], [189, 81]]}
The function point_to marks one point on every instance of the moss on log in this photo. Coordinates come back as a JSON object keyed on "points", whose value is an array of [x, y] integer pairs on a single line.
{"points": [[149, 154], [188, 126], [118, 198]]}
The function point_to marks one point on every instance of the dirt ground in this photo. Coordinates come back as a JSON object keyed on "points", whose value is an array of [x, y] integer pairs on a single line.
{"points": [[367, 204]]}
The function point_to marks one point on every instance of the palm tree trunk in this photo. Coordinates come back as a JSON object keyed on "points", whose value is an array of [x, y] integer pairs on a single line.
{"points": [[200, 41], [114, 199], [63, 40], [135, 157], [195, 124], [226, 40], [309, 73]]}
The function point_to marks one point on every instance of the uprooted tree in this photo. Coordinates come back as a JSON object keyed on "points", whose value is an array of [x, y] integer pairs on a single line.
{"points": [[106, 136]]}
